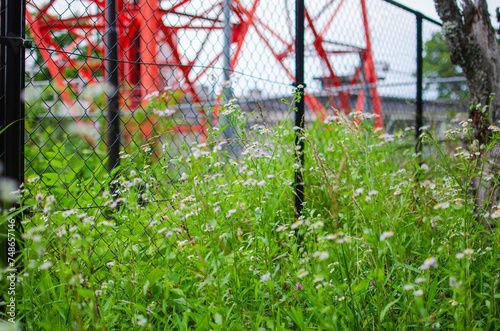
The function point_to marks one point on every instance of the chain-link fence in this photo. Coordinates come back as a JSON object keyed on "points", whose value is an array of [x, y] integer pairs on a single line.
{"points": [[149, 73], [171, 63], [117, 92]]}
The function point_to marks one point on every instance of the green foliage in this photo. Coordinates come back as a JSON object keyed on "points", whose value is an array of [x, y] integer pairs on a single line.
{"points": [[437, 64]]}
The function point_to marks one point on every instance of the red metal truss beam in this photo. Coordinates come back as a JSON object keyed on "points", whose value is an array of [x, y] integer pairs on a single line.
{"points": [[311, 100], [250, 17], [44, 10], [327, 26], [206, 39], [140, 41], [277, 56], [276, 35], [344, 100], [370, 71], [185, 69], [174, 7]]}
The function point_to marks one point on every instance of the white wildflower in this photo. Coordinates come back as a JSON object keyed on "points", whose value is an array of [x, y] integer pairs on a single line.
{"points": [[429, 262], [265, 277], [385, 235], [302, 273], [418, 293]]}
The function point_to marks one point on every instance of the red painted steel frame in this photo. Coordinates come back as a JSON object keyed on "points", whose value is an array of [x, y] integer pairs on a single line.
{"points": [[143, 33]]}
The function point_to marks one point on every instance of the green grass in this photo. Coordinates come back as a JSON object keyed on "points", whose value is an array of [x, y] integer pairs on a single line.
{"points": [[220, 248]]}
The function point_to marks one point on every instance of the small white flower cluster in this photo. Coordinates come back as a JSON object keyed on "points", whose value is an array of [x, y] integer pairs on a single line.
{"points": [[298, 223], [442, 205], [114, 203], [141, 320], [195, 211], [465, 123], [281, 228], [265, 277], [255, 151], [33, 180], [494, 128], [339, 237], [321, 255], [152, 95], [229, 107], [205, 179], [182, 243], [218, 147], [68, 213], [495, 214], [359, 191], [428, 263], [107, 223], [452, 133], [387, 137], [34, 233], [230, 212], [467, 252], [302, 273], [385, 235], [165, 112], [411, 287], [251, 182], [454, 284], [318, 280], [225, 84], [317, 225], [397, 191], [197, 151], [461, 153], [49, 204], [261, 129], [330, 119], [361, 115]]}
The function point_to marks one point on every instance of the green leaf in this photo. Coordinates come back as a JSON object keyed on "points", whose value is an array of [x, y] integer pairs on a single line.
{"points": [[178, 291], [297, 317], [174, 278], [12, 123], [145, 287], [386, 309], [361, 286], [50, 178], [264, 240], [218, 319], [56, 164]]}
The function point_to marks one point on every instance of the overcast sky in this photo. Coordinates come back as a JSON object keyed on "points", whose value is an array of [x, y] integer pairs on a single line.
{"points": [[427, 7]]}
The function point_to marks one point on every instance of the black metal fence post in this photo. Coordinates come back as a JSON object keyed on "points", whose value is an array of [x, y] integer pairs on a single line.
{"points": [[112, 82], [299, 115], [12, 75], [12, 41], [419, 116]]}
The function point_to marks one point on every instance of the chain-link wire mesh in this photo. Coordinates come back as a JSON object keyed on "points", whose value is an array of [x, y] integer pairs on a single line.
{"points": [[372, 64], [173, 93], [170, 55], [175, 82], [445, 87], [360, 55]]}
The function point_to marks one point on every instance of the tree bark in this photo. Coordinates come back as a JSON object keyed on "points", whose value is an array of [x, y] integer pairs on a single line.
{"points": [[473, 45]]}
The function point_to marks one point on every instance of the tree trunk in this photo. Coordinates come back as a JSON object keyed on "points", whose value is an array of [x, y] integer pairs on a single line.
{"points": [[474, 47]]}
